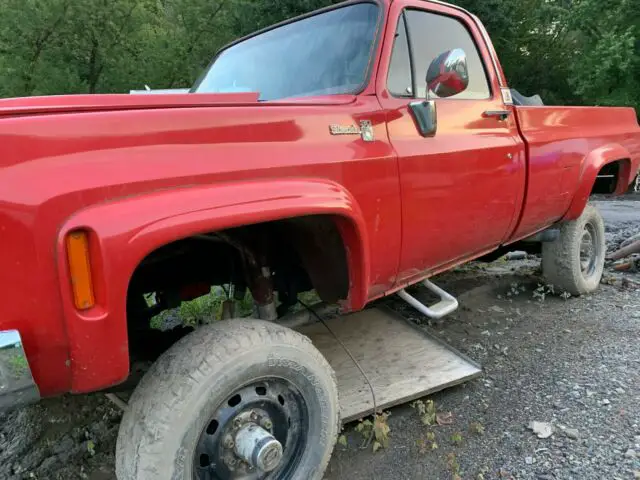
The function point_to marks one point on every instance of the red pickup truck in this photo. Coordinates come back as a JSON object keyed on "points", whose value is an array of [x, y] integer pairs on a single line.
{"points": [[309, 156]]}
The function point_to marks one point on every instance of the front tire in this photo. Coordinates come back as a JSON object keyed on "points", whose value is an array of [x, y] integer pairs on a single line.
{"points": [[224, 383], [575, 261]]}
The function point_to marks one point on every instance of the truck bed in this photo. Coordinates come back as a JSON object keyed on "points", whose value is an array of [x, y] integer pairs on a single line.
{"points": [[558, 140]]}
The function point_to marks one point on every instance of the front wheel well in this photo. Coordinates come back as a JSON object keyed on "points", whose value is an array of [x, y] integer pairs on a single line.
{"points": [[300, 254]]}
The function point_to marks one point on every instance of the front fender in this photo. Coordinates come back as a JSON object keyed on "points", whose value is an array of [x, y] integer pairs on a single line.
{"points": [[591, 165], [124, 232]]}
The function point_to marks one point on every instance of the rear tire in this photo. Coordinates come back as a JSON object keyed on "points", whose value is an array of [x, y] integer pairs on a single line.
{"points": [[215, 382], [575, 261]]}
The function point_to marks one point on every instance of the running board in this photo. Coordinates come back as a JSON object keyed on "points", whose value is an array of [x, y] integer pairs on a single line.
{"points": [[445, 306], [402, 361]]}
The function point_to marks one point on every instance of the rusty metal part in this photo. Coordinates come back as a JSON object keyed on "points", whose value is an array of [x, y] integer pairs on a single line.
{"points": [[228, 309], [630, 240], [116, 400], [625, 251], [261, 286], [624, 267], [631, 265], [258, 276]]}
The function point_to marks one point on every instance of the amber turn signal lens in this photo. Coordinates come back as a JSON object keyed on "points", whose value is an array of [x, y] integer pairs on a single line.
{"points": [[80, 270]]}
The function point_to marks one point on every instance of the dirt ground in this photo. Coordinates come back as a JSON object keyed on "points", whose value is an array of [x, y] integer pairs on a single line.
{"points": [[572, 363]]}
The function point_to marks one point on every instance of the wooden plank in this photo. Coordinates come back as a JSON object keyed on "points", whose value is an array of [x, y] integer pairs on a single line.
{"points": [[402, 361]]}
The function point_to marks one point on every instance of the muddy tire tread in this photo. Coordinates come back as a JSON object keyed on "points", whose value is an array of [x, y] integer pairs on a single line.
{"points": [[184, 366], [560, 258]]}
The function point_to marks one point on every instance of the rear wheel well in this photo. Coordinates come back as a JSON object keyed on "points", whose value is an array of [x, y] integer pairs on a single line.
{"points": [[612, 178], [300, 254]]}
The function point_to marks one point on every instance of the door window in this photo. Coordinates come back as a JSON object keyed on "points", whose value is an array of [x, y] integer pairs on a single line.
{"points": [[399, 80], [429, 35]]}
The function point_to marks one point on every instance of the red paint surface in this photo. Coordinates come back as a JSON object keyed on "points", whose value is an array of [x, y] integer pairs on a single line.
{"points": [[141, 171]]}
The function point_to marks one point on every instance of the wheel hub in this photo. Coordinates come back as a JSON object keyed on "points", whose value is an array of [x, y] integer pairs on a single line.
{"points": [[257, 433], [258, 448], [250, 445]]}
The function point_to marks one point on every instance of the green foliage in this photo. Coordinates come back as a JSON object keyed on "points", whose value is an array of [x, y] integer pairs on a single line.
{"points": [[608, 46], [376, 431], [477, 428], [453, 465], [205, 309], [91, 448], [456, 438], [427, 443], [18, 365], [569, 51], [426, 410]]}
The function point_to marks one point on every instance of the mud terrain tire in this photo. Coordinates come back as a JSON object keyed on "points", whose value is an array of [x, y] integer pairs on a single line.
{"points": [[575, 261], [194, 380]]}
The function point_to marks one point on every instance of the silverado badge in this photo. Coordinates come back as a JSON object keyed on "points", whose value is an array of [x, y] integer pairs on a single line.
{"points": [[365, 130]]}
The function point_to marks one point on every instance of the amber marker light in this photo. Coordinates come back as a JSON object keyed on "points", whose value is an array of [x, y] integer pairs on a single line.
{"points": [[80, 269]]}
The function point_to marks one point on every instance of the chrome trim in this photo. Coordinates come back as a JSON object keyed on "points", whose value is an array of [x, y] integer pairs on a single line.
{"points": [[445, 65], [483, 33], [426, 115], [17, 386], [501, 115]]}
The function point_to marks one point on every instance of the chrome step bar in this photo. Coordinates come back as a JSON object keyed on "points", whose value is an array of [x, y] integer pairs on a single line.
{"points": [[447, 304]]}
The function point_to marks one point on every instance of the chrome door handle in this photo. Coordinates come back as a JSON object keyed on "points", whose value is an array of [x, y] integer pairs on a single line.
{"points": [[499, 114]]}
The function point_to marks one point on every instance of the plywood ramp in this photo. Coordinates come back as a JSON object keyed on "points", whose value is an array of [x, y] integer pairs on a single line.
{"points": [[402, 361]]}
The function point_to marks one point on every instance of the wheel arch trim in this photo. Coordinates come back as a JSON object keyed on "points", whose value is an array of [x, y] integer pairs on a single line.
{"points": [[125, 231], [591, 165]]}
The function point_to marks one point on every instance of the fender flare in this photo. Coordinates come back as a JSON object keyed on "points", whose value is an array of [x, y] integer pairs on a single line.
{"points": [[123, 232], [591, 165]]}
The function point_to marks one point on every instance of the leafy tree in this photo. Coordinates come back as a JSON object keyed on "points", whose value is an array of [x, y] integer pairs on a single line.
{"points": [[607, 54], [569, 51]]}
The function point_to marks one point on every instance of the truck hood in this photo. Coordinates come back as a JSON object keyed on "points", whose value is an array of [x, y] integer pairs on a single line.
{"points": [[92, 103]]}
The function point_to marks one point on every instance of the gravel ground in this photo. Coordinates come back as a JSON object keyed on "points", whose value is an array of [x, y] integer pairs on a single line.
{"points": [[574, 364]]}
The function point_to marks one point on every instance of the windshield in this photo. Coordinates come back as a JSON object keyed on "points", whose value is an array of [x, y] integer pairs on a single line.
{"points": [[324, 54]]}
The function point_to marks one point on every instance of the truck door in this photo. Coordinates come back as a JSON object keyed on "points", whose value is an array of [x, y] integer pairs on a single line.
{"points": [[462, 187]]}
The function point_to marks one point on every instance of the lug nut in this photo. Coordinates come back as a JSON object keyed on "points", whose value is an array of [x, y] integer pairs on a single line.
{"points": [[228, 442], [254, 416], [266, 423], [231, 462]]}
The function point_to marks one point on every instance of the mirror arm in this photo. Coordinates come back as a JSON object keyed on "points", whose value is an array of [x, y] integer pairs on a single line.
{"points": [[449, 74]]}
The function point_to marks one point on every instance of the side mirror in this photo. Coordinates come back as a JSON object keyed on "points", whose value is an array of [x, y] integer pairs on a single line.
{"points": [[447, 75]]}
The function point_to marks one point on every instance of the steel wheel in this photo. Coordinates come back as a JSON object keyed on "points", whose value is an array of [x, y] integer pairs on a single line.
{"points": [[588, 251], [575, 261], [259, 432], [239, 399]]}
